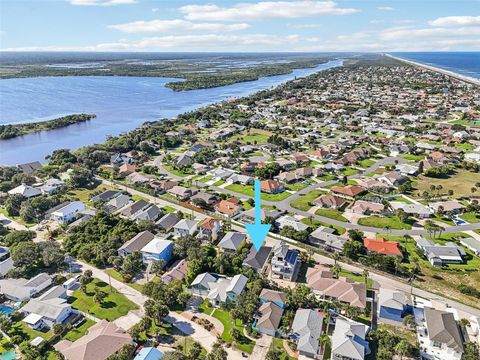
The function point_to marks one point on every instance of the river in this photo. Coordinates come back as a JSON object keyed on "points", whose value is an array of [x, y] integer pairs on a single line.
{"points": [[121, 103]]}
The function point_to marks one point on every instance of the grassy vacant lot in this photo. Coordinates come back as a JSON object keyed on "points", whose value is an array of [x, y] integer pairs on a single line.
{"points": [[253, 136], [245, 344], [441, 280], [303, 202], [412, 157], [84, 194], [114, 305], [332, 214], [384, 222], [79, 331], [460, 183], [296, 186], [248, 190], [170, 169], [116, 275]]}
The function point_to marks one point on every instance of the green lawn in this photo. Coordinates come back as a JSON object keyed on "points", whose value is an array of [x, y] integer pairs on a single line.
{"points": [[219, 182], [117, 276], [206, 308], [114, 305], [296, 186], [84, 195], [248, 190], [169, 209], [257, 136], [460, 182], [205, 178], [245, 344], [22, 329], [79, 331], [412, 157], [170, 168], [16, 218], [315, 223], [349, 171], [471, 217], [278, 345], [332, 214], [366, 163], [185, 343], [384, 221], [303, 202]]}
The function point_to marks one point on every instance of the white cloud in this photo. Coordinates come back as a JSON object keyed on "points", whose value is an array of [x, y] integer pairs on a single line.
{"points": [[303, 26], [377, 21], [155, 10], [264, 10], [385, 8], [456, 21], [101, 2], [177, 25]]}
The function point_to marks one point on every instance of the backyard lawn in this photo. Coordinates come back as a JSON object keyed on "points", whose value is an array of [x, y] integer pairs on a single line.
{"points": [[114, 305], [303, 202], [332, 214], [366, 163], [471, 217], [384, 222], [248, 190], [244, 344], [296, 186], [79, 331], [278, 346], [170, 169], [22, 329]]}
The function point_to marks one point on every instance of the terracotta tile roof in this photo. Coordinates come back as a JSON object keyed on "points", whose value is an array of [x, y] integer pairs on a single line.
{"points": [[349, 190], [382, 246], [270, 185], [227, 207]]}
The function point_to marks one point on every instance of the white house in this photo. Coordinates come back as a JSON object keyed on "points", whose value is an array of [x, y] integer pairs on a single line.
{"points": [[185, 227], [67, 213], [218, 289], [25, 190], [23, 289]]}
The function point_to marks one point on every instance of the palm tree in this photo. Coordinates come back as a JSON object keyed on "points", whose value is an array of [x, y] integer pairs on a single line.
{"points": [[366, 274], [402, 348], [335, 257], [409, 321], [336, 270], [324, 341]]}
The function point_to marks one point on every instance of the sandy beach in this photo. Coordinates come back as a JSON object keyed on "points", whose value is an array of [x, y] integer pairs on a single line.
{"points": [[439, 70]]}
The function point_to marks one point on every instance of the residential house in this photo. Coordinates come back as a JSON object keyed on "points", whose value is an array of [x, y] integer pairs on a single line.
{"points": [[168, 221], [279, 298], [448, 206], [149, 353], [284, 262], [105, 196], [181, 192], [365, 207], [209, 229], [51, 186], [207, 198], [349, 340], [25, 190], [272, 187], [117, 203], [136, 243], [393, 178], [349, 192], [407, 169], [101, 341], [6, 262], [416, 209], [228, 207], [134, 208], [23, 289], [218, 289], [258, 260], [382, 246], [177, 272], [126, 169], [306, 331], [441, 337], [232, 241], [324, 238], [249, 215], [185, 227], [29, 168], [151, 213], [320, 279], [47, 310], [240, 179], [330, 201], [439, 255], [268, 318], [392, 305], [472, 244], [137, 178], [290, 221], [67, 213], [156, 250]]}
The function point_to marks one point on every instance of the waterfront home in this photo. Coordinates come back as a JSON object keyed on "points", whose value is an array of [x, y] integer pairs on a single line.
{"points": [[100, 342], [136, 243], [25, 190], [272, 187], [440, 336], [232, 241], [382, 246], [258, 260], [284, 262], [185, 227], [156, 250], [218, 289], [279, 298], [30, 167], [306, 330], [349, 340], [47, 310], [23, 289], [439, 255], [320, 279], [392, 305]]}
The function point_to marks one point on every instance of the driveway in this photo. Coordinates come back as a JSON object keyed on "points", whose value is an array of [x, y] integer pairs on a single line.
{"points": [[261, 348]]}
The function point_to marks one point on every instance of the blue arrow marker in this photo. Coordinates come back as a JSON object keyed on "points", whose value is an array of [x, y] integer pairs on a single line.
{"points": [[258, 231]]}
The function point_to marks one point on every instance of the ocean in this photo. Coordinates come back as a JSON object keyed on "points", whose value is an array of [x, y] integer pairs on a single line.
{"points": [[463, 63]]}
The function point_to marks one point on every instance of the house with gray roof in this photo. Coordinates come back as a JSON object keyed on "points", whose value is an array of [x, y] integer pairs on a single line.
{"points": [[185, 227], [284, 262], [439, 255], [23, 289], [472, 244], [349, 340], [306, 330], [324, 238], [136, 243], [287, 220], [218, 289], [443, 338], [393, 305], [151, 213], [268, 318], [232, 241], [257, 260], [168, 221]]}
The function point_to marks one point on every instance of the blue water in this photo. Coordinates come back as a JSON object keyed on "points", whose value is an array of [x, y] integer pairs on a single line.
{"points": [[120, 103], [5, 309], [9, 355], [463, 63]]}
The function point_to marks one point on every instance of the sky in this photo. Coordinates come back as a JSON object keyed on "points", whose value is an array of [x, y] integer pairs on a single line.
{"points": [[239, 26]]}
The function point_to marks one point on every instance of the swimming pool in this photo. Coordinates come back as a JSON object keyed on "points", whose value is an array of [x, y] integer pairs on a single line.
{"points": [[9, 355], [6, 310]]}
